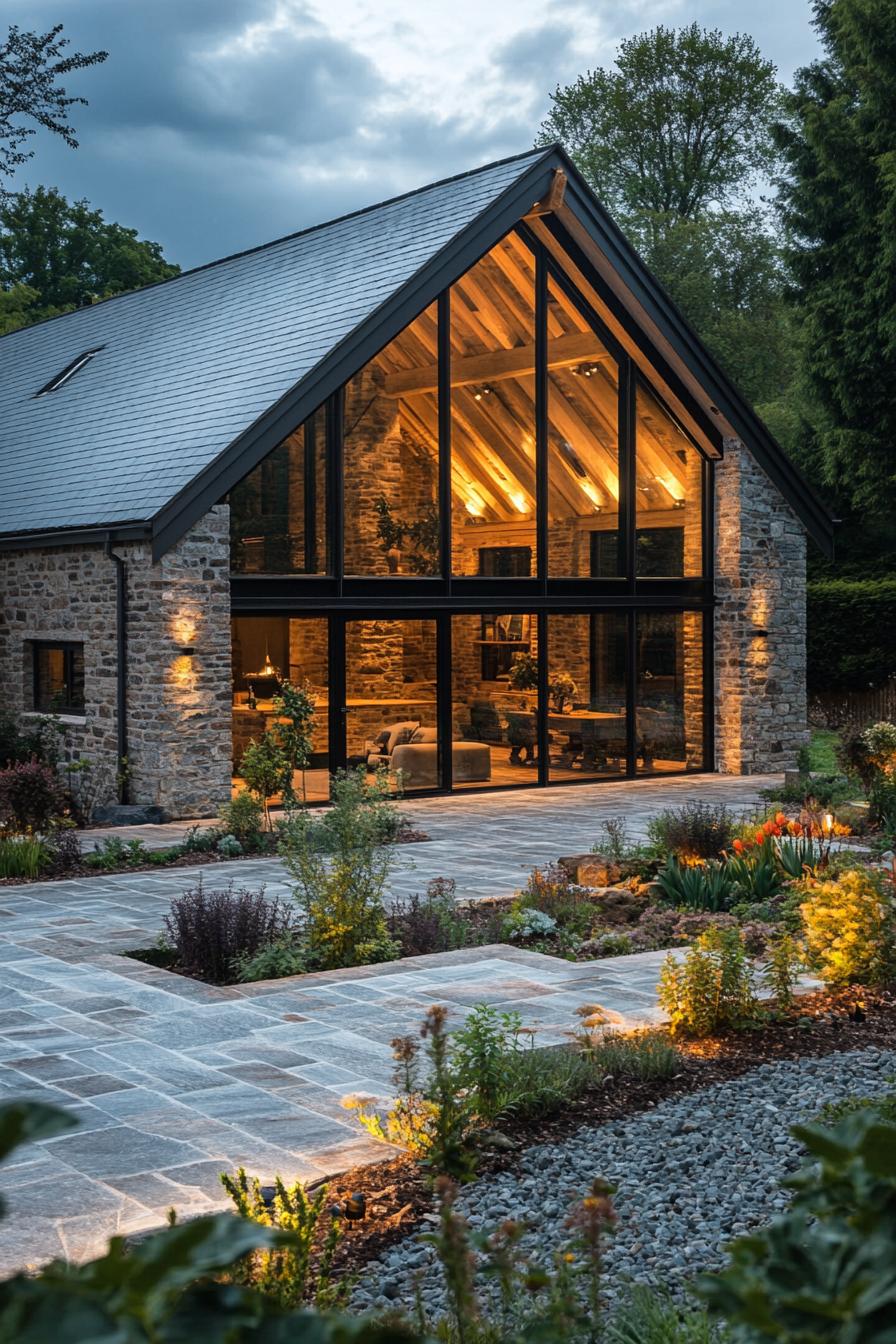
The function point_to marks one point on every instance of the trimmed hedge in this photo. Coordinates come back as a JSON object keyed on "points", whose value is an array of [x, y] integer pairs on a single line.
{"points": [[851, 636]]}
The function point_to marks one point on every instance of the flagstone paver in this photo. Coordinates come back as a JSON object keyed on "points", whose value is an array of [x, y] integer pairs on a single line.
{"points": [[172, 1081]]}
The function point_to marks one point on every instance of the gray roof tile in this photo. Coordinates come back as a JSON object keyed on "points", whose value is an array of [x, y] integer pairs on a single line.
{"points": [[189, 365]]}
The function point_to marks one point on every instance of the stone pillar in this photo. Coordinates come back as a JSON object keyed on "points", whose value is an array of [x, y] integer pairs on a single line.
{"points": [[179, 703], [760, 620]]}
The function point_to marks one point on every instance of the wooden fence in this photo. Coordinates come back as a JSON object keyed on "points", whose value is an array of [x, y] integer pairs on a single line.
{"points": [[853, 710]]}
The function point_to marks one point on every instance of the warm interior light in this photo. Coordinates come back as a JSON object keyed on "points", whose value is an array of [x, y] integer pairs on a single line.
{"points": [[518, 501], [474, 505], [828, 822], [592, 493]]}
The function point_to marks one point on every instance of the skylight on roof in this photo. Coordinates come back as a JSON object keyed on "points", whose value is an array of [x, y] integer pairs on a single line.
{"points": [[69, 371]]}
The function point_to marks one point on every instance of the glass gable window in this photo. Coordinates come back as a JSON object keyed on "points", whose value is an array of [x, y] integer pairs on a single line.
{"points": [[391, 457], [493, 407], [278, 513], [668, 495], [583, 444]]}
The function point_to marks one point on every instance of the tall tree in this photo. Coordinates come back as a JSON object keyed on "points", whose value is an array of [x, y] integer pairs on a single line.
{"points": [[31, 66], [673, 141], [682, 124], [65, 254], [838, 200]]}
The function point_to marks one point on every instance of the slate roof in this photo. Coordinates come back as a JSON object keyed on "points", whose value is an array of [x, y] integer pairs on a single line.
{"points": [[200, 376], [189, 365]]}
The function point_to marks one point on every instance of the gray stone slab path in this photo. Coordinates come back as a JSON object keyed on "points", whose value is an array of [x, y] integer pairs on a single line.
{"points": [[172, 1081]]}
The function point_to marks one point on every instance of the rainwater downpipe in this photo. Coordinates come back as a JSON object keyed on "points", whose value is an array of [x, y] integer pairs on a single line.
{"points": [[121, 687]]}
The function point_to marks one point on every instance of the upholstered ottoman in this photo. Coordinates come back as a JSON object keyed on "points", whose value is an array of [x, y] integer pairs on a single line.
{"points": [[419, 763]]}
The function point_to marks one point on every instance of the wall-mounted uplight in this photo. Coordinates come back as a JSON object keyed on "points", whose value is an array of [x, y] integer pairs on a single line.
{"points": [[186, 650], [760, 633]]}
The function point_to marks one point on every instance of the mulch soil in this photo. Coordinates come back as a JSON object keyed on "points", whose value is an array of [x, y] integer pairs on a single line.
{"points": [[398, 1197]]}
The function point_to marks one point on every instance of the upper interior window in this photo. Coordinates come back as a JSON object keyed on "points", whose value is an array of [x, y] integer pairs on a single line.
{"points": [[278, 511], [68, 372], [493, 406], [668, 495], [391, 457]]}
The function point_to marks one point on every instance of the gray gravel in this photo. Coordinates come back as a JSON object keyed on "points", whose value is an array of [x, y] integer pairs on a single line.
{"points": [[690, 1175]]}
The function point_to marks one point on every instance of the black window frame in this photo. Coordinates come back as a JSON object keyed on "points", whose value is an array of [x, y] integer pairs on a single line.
{"points": [[71, 704]]}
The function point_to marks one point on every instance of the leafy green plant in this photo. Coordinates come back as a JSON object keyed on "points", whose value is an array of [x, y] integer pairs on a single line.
{"points": [[643, 1055], [285, 1272], [649, 1317], [710, 988], [755, 876], [112, 852], [851, 928], [526, 922], [550, 891], [243, 817], [798, 853], [340, 866], [204, 839], [21, 856], [701, 886], [785, 961], [296, 707], [229, 847], [696, 831], [479, 1054], [267, 771], [283, 956], [523, 673], [822, 1273]]}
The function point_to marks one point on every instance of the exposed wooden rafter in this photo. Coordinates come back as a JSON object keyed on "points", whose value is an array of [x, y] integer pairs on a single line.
{"points": [[517, 362]]}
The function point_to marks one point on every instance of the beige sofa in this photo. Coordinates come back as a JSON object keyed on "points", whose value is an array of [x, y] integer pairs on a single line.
{"points": [[418, 764]]}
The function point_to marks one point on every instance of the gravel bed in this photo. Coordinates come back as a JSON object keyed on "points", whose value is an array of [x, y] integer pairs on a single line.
{"points": [[690, 1175]]}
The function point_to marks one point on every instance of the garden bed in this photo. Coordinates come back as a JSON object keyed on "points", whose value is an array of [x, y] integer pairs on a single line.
{"points": [[399, 1199]]}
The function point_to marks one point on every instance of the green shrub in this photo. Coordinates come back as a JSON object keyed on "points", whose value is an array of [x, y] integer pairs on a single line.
{"points": [[710, 988], [39, 737], [201, 839], [267, 771], [285, 1273], [550, 892], [822, 1273], [362, 813], [538, 1082], [479, 1054], [643, 1055], [280, 957], [341, 865], [851, 633], [22, 856], [649, 1317], [851, 928], [112, 853], [695, 831], [785, 961], [755, 875], [229, 847], [700, 886], [243, 817]]}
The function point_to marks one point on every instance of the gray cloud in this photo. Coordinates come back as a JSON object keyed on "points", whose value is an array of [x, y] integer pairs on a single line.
{"points": [[218, 124]]}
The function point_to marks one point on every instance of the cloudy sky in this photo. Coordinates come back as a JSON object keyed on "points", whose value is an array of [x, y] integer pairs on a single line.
{"points": [[218, 124]]}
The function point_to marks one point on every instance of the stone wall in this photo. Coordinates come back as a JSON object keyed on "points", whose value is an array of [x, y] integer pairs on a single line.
{"points": [[760, 622], [178, 704]]}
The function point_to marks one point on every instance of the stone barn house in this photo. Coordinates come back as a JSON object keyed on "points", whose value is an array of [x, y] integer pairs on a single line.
{"points": [[455, 462]]}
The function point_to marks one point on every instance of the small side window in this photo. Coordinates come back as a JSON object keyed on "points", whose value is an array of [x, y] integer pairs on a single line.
{"points": [[58, 677]]}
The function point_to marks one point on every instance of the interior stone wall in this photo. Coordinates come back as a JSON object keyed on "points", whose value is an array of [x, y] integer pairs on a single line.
{"points": [[760, 623], [178, 705]]}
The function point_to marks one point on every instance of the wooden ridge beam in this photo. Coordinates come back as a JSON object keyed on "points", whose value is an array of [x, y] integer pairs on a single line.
{"points": [[554, 198], [497, 364]]}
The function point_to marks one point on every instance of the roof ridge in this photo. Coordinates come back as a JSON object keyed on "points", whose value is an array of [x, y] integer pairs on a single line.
{"points": [[541, 150]]}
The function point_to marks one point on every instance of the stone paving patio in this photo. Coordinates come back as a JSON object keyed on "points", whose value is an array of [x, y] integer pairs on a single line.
{"points": [[173, 1081]]}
